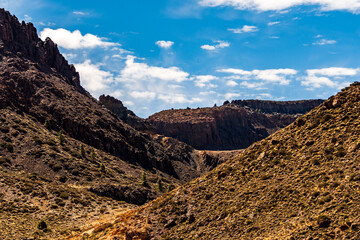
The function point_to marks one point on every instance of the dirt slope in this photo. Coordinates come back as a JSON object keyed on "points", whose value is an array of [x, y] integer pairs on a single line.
{"points": [[300, 183]]}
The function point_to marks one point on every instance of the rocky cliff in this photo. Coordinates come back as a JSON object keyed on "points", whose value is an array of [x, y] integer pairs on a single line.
{"points": [[230, 126], [282, 107]]}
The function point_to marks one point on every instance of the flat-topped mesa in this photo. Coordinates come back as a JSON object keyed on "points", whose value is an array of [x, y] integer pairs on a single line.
{"points": [[283, 107], [22, 40]]}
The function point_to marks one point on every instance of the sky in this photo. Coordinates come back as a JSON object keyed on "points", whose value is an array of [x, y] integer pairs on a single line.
{"points": [[157, 55]]}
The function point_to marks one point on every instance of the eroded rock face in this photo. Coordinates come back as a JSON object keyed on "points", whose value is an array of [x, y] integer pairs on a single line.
{"points": [[224, 128], [282, 107], [22, 39]]}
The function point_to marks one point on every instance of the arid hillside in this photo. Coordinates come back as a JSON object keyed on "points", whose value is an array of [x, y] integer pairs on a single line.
{"points": [[64, 157], [234, 125], [300, 183]]}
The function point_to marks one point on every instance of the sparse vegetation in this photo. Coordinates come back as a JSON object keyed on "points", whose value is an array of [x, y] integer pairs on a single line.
{"points": [[160, 185], [42, 225], [144, 181], [61, 137], [82, 151]]}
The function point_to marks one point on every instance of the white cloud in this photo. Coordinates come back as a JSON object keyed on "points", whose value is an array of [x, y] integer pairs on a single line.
{"points": [[269, 75], [178, 98], [221, 44], [129, 103], [48, 24], [264, 96], [141, 71], [117, 94], [274, 37], [207, 93], [278, 5], [272, 23], [231, 96], [324, 42], [231, 83], [244, 29], [80, 13], [143, 95], [203, 81], [75, 40], [164, 44], [27, 18], [256, 86], [329, 77], [334, 71], [92, 77], [70, 56]]}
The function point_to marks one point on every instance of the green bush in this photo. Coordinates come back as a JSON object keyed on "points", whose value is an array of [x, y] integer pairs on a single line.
{"points": [[144, 181], [160, 185], [61, 137]]}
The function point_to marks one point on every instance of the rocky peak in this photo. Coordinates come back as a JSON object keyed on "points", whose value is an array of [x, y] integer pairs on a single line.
{"points": [[116, 106], [22, 40]]}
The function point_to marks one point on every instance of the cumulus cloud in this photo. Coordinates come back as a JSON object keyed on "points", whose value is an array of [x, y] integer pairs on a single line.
{"points": [[278, 5], [134, 71], [221, 44], [252, 85], [92, 77], [143, 95], [231, 83], [278, 76], [231, 96], [329, 77], [75, 40], [178, 98], [164, 44], [324, 42], [244, 29], [203, 81]]}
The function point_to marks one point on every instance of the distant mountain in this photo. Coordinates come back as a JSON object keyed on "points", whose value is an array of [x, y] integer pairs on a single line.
{"points": [[234, 125], [300, 183], [64, 156]]}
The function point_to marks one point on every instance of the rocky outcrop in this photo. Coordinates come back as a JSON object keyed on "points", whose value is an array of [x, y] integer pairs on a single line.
{"points": [[22, 40], [225, 128], [126, 115], [282, 107]]}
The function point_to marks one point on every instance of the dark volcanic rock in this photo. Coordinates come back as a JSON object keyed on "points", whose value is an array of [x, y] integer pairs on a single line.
{"points": [[126, 115], [123, 193], [22, 39], [283, 107]]}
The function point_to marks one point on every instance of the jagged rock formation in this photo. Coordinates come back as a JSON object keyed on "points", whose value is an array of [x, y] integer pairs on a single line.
{"points": [[300, 183], [231, 126], [282, 107], [126, 115]]}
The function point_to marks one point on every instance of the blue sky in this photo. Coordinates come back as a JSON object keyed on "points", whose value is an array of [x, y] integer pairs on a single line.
{"points": [[156, 55]]}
